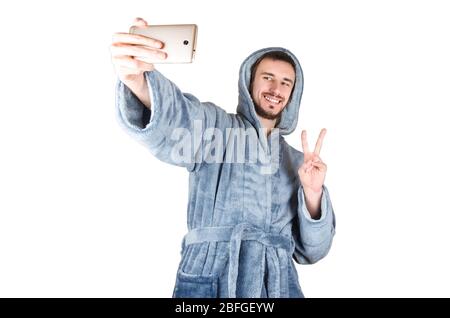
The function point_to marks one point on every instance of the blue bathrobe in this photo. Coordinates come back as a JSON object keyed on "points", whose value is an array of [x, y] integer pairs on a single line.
{"points": [[247, 219]]}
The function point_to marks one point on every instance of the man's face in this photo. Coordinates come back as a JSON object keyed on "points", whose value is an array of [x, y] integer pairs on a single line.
{"points": [[272, 87]]}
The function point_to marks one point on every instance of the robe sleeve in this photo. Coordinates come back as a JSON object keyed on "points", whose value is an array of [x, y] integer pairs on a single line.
{"points": [[173, 129], [313, 238]]}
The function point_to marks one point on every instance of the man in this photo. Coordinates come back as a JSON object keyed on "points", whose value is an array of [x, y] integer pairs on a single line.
{"points": [[248, 219]]}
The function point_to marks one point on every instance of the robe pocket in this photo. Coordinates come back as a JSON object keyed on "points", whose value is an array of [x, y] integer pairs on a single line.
{"points": [[195, 286]]}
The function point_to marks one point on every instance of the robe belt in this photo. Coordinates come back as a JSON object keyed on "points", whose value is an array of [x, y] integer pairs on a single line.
{"points": [[235, 235]]}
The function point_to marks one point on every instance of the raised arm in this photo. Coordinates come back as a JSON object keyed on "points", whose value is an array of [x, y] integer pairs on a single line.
{"points": [[154, 111], [316, 220]]}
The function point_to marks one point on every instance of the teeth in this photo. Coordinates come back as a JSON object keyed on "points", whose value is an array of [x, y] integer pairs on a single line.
{"points": [[272, 100]]}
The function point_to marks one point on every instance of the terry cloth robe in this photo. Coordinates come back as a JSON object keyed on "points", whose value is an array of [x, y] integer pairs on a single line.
{"points": [[247, 219]]}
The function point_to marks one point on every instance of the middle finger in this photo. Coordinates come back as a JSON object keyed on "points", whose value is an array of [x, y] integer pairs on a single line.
{"points": [[128, 38], [320, 141]]}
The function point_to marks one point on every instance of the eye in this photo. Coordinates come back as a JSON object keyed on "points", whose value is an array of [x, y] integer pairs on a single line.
{"points": [[268, 78], [286, 84]]}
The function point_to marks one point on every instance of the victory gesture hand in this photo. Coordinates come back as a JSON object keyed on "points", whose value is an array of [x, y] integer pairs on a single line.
{"points": [[312, 171]]}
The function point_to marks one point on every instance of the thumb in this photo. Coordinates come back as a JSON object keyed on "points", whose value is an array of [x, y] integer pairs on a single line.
{"points": [[139, 22]]}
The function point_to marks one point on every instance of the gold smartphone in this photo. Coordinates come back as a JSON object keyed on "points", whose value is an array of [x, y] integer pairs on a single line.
{"points": [[179, 41]]}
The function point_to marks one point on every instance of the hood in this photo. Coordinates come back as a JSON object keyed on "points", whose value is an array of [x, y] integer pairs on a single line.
{"points": [[246, 108]]}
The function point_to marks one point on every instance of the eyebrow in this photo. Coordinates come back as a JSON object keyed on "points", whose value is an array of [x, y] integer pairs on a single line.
{"points": [[284, 79]]}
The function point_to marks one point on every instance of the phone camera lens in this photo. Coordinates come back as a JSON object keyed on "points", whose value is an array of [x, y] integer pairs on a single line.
{"points": [[185, 42]]}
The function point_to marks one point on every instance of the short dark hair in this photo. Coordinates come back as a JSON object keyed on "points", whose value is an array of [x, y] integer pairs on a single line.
{"points": [[273, 55]]}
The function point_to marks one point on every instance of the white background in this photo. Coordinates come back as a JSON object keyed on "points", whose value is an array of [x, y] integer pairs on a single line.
{"points": [[87, 212]]}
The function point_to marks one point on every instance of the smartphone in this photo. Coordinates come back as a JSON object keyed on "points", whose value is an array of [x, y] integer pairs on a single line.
{"points": [[179, 41]]}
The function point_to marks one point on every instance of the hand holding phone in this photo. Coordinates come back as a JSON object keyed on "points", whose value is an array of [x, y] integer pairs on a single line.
{"points": [[179, 42], [125, 47]]}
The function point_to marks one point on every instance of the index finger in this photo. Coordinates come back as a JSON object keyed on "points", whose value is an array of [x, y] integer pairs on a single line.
{"points": [[320, 141], [129, 38], [304, 142]]}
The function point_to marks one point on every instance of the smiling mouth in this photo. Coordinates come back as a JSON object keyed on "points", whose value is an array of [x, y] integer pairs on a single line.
{"points": [[272, 99]]}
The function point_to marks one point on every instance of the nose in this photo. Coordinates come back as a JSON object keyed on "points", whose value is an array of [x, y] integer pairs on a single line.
{"points": [[275, 88]]}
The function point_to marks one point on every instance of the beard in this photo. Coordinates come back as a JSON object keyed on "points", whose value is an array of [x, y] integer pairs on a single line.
{"points": [[266, 114]]}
